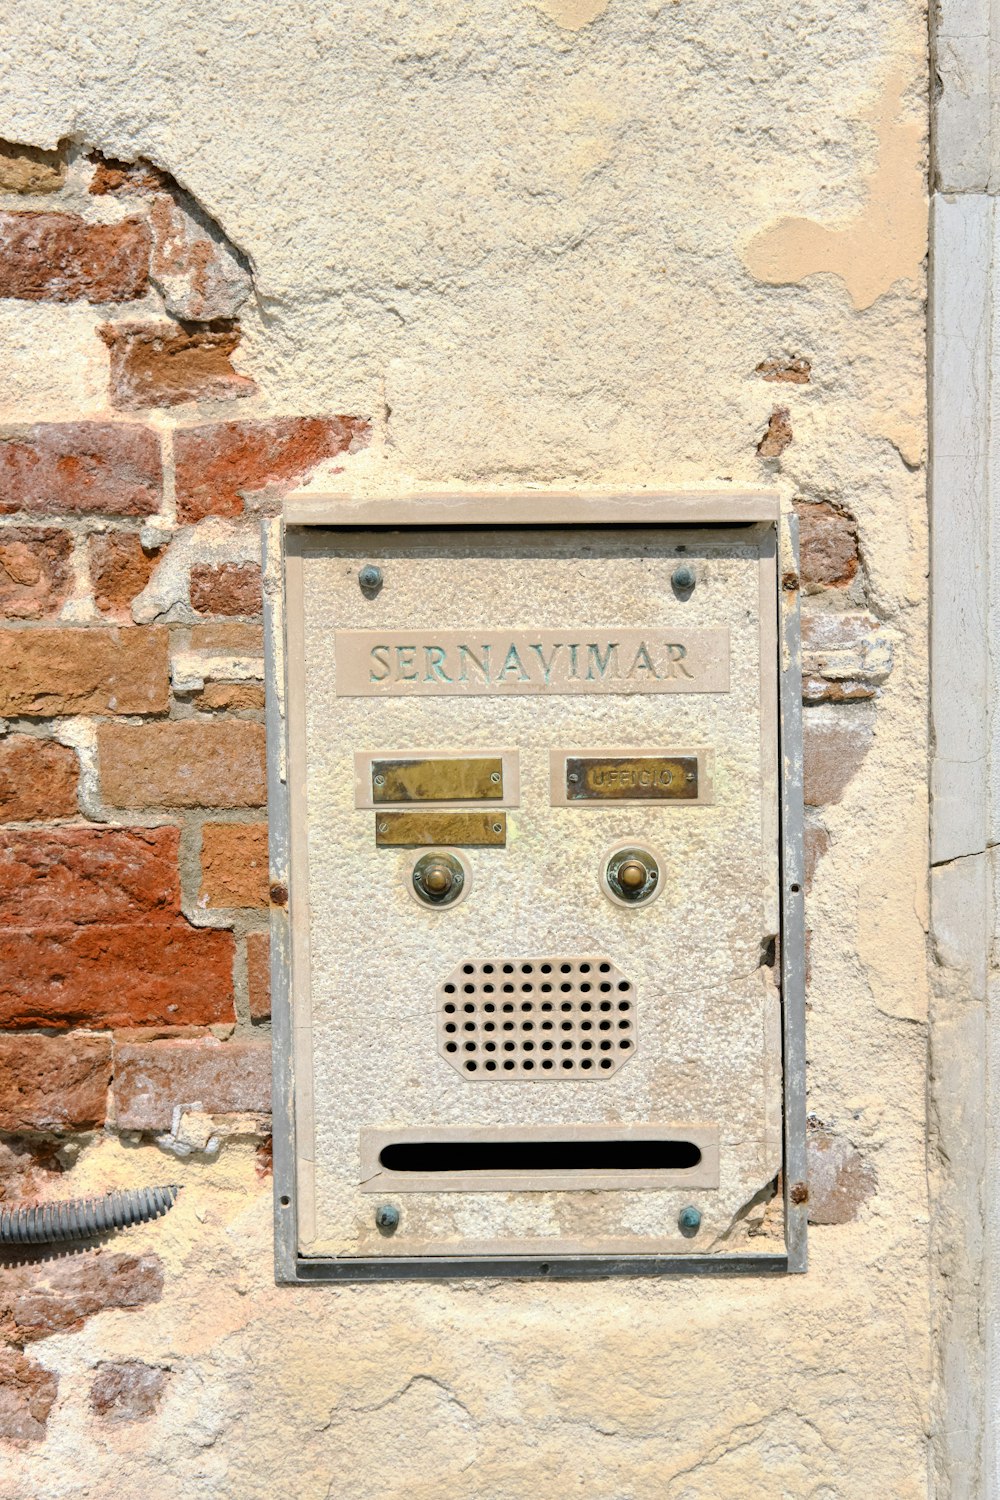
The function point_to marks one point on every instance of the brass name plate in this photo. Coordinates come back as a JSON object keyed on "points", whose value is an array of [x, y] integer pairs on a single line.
{"points": [[427, 663], [409, 830], [476, 779], [646, 778]]}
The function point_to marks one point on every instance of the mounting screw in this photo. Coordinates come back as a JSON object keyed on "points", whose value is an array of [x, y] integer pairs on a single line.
{"points": [[689, 1220], [387, 1218], [495, 777], [683, 578], [370, 579]]}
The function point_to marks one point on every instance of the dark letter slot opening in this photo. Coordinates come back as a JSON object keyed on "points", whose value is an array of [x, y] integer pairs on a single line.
{"points": [[535, 1158]]}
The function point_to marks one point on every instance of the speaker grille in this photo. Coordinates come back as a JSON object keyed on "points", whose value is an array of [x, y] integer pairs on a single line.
{"points": [[536, 1018]]}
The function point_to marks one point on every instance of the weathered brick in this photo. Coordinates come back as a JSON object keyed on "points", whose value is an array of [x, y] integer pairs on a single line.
{"points": [[164, 365], [226, 589], [125, 178], [27, 1394], [840, 1180], [215, 696], [30, 169], [845, 657], [127, 1390], [183, 764], [217, 466], [83, 875], [231, 637], [778, 435], [38, 779], [259, 975], [200, 274], [54, 257], [153, 1080], [53, 1083], [828, 545], [834, 745], [102, 976], [234, 864], [81, 468], [54, 1296], [780, 368], [816, 841], [120, 568], [34, 572], [47, 672]]}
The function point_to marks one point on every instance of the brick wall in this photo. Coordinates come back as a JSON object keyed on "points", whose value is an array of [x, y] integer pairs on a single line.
{"points": [[133, 851]]}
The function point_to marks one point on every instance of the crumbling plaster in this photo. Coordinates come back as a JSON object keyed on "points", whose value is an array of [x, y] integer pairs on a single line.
{"points": [[516, 237]]}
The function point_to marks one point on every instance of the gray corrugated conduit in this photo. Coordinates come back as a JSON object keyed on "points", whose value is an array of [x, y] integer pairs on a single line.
{"points": [[83, 1218]]}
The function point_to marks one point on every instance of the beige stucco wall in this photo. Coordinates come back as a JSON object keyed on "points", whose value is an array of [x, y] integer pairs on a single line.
{"points": [[549, 243]]}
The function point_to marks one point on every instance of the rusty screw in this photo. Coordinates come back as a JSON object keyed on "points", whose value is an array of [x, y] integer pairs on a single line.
{"points": [[387, 1218]]}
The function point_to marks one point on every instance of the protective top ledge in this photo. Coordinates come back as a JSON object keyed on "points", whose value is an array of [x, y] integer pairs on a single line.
{"points": [[535, 508]]}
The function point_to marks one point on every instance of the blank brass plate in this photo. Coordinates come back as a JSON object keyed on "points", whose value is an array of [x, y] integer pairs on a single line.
{"points": [[395, 830], [478, 779], [647, 778]]}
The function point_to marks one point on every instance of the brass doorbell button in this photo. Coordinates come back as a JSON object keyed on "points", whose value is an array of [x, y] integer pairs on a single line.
{"points": [[632, 875], [438, 878]]}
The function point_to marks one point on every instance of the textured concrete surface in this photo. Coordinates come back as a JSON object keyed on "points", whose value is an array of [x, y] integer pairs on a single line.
{"points": [[527, 243]]}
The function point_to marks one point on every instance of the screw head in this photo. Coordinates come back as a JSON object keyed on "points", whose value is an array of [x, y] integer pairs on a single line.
{"points": [[683, 578], [387, 1217], [689, 1220], [370, 578]]}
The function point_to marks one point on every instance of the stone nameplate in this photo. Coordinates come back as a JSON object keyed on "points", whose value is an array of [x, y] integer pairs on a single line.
{"points": [[428, 663]]}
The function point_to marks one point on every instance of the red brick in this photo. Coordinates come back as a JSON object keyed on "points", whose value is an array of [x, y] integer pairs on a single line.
{"points": [[27, 1394], [217, 466], [778, 435], [81, 468], [38, 779], [110, 875], [200, 275], [54, 1296], [151, 1081], [184, 763], [30, 169], [53, 257], [165, 365], [46, 672], [259, 975], [828, 545], [234, 869], [127, 1390], [120, 568], [113, 976], [34, 572], [226, 589], [53, 1083]]}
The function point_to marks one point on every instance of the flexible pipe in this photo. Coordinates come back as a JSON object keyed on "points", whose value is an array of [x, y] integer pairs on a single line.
{"points": [[82, 1218]]}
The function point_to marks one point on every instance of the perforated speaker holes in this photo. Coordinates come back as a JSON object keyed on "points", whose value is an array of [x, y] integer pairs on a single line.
{"points": [[538, 1018]]}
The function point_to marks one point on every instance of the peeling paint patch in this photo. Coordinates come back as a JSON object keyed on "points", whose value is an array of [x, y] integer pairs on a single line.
{"points": [[573, 15], [886, 243]]}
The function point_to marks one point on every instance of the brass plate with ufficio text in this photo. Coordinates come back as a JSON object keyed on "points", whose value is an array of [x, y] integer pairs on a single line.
{"points": [[410, 830], [648, 778], [477, 779]]}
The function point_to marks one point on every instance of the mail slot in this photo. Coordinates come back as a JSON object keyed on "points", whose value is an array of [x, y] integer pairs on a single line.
{"points": [[538, 983]]}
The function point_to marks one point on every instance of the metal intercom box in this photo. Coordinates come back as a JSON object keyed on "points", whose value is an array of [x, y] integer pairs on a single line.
{"points": [[535, 800]]}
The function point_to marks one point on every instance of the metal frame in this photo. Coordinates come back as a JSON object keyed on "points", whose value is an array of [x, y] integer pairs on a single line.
{"points": [[684, 508]]}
